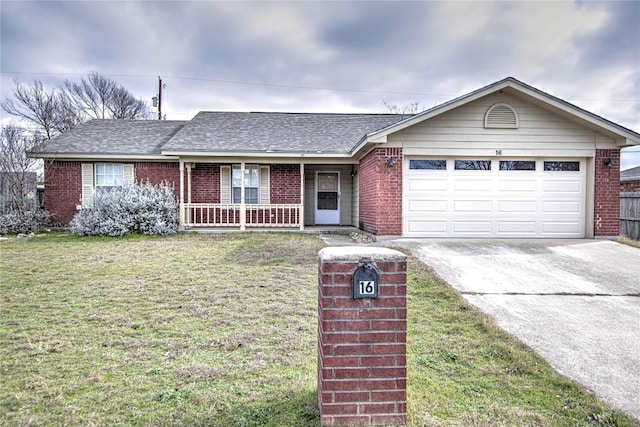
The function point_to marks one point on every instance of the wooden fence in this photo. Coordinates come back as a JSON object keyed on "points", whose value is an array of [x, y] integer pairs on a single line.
{"points": [[630, 215]]}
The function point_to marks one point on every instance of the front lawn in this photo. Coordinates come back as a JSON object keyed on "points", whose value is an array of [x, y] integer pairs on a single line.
{"points": [[220, 330]]}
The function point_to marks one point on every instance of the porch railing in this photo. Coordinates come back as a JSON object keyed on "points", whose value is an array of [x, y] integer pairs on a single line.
{"points": [[229, 215]]}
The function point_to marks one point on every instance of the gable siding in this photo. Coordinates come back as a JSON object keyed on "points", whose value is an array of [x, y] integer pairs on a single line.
{"points": [[461, 132]]}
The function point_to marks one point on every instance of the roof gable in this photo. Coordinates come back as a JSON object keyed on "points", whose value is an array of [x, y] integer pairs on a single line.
{"points": [[624, 136]]}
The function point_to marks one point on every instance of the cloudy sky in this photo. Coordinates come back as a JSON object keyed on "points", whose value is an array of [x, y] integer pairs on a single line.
{"points": [[331, 56]]}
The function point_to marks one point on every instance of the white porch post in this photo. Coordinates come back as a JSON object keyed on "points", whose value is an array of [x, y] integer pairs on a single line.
{"points": [[181, 204], [188, 214], [301, 213], [243, 207]]}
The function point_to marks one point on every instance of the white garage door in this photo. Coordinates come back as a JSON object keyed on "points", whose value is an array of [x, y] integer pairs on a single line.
{"points": [[542, 198]]}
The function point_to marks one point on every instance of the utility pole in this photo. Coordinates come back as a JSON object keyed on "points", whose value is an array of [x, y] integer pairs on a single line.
{"points": [[159, 98]]}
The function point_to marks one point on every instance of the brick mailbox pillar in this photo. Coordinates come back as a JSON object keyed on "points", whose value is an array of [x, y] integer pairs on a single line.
{"points": [[362, 336]]}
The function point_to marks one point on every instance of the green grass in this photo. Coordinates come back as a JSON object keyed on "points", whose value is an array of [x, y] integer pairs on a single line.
{"points": [[220, 330]]}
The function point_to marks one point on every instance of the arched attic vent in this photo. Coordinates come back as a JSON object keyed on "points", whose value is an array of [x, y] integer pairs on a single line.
{"points": [[501, 116]]}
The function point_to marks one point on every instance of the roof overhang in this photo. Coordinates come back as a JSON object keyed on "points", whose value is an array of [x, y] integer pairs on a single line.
{"points": [[93, 157]]}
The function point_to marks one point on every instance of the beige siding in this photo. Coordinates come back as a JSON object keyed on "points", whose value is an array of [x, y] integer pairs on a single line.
{"points": [[461, 132], [346, 189]]}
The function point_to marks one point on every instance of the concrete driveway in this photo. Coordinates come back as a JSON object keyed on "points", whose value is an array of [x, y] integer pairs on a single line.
{"points": [[576, 302]]}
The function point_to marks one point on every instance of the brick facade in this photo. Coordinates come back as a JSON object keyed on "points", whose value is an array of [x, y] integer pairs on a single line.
{"points": [[285, 184], [63, 190], [362, 372], [630, 186], [607, 194], [381, 192], [205, 183]]}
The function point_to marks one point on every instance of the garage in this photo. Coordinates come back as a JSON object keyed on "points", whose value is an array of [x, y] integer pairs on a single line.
{"points": [[494, 198]]}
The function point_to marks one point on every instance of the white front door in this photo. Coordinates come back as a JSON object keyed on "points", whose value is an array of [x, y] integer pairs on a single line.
{"points": [[327, 198]]}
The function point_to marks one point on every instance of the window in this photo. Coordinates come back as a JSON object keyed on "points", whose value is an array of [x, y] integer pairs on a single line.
{"points": [[428, 164], [517, 165], [108, 175], [473, 165], [251, 183], [562, 166]]}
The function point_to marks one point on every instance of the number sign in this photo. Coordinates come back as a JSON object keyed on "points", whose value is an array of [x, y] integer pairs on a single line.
{"points": [[365, 282]]}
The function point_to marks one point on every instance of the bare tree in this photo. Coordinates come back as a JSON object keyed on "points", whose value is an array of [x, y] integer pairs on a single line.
{"points": [[407, 110], [58, 110], [99, 97], [19, 171], [34, 104]]}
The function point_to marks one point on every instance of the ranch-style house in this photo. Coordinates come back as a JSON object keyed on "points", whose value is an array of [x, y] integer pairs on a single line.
{"points": [[504, 161]]}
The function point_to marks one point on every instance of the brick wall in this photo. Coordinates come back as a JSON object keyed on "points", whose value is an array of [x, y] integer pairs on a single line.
{"points": [[62, 191], [157, 173], [630, 186], [607, 194], [361, 342], [63, 184], [285, 184], [205, 183], [380, 194]]}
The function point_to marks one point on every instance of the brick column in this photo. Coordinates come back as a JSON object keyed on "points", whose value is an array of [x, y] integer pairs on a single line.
{"points": [[362, 342]]}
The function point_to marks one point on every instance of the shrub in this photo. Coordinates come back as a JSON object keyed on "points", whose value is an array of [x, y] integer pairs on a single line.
{"points": [[14, 221], [138, 209]]}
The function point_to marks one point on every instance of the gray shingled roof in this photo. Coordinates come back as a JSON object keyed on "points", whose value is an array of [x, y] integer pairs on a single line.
{"points": [[632, 174], [276, 132], [117, 137]]}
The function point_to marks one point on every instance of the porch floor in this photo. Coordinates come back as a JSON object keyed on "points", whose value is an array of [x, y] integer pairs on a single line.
{"points": [[312, 229]]}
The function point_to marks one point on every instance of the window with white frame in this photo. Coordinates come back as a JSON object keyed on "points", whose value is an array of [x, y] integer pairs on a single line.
{"points": [[251, 183], [108, 175]]}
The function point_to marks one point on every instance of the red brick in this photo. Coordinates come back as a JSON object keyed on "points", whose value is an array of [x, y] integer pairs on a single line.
{"points": [[340, 409], [377, 408], [355, 349], [378, 361], [342, 385], [379, 384], [389, 372], [377, 337], [347, 373], [333, 314], [327, 397], [341, 361], [353, 420], [377, 313], [389, 325], [357, 396], [352, 325], [341, 337]]}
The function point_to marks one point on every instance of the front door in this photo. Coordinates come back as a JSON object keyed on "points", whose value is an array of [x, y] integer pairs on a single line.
{"points": [[327, 198]]}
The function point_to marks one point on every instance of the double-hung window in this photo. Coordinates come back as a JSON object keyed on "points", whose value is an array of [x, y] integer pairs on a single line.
{"points": [[251, 183], [108, 176], [98, 177], [255, 180]]}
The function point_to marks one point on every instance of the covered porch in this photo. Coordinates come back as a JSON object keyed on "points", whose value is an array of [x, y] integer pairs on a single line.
{"points": [[266, 195]]}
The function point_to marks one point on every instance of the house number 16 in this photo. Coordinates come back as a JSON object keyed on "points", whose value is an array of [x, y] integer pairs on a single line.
{"points": [[366, 287], [498, 152]]}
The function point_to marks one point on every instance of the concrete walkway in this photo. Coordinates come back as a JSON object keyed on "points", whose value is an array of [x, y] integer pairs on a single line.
{"points": [[576, 302]]}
